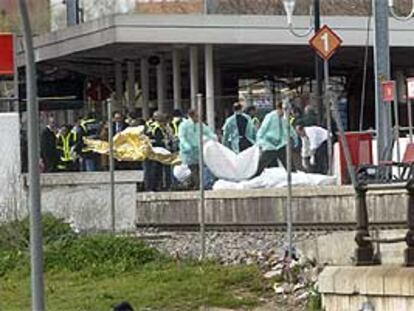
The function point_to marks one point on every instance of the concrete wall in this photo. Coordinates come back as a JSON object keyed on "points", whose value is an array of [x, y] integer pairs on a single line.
{"points": [[84, 199], [10, 182], [310, 204], [386, 288]]}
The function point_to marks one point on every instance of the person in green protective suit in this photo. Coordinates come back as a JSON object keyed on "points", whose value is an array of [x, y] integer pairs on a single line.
{"points": [[188, 135], [272, 139], [239, 132]]}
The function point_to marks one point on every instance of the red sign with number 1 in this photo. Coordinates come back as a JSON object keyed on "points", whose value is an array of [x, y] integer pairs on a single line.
{"points": [[6, 54]]}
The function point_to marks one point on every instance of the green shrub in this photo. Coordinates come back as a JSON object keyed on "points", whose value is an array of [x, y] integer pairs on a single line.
{"points": [[16, 235], [66, 250], [97, 252]]}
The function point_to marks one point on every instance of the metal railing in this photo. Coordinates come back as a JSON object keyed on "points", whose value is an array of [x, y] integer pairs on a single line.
{"points": [[364, 253]]}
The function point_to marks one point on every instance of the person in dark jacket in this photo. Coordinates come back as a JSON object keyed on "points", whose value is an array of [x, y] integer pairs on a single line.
{"points": [[89, 127], [119, 123], [156, 174], [48, 150]]}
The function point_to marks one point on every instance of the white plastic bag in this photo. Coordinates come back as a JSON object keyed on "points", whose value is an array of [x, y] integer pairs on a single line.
{"points": [[181, 172]]}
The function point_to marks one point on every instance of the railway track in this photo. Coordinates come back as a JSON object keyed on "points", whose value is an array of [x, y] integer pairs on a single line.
{"points": [[270, 227]]}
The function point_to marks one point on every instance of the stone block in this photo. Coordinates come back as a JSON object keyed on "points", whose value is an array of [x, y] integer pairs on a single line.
{"points": [[326, 279]]}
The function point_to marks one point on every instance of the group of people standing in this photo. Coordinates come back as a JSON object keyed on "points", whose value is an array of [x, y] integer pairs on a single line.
{"points": [[242, 130], [62, 149]]}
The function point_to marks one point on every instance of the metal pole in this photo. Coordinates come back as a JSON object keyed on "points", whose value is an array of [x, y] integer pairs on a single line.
{"points": [[382, 73], [397, 126], [201, 210], [111, 164], [410, 119], [318, 63], [36, 244], [345, 145], [15, 104], [289, 181], [328, 115]]}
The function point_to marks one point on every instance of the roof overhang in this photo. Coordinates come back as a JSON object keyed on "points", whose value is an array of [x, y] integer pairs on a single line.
{"points": [[201, 29]]}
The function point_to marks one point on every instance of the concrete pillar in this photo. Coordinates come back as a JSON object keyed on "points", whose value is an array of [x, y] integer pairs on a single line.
{"points": [[162, 105], [118, 85], [194, 87], [219, 106], [209, 74], [145, 88], [176, 62], [131, 85], [400, 79]]}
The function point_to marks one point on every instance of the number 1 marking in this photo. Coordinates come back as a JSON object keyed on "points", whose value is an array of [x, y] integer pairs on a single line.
{"points": [[325, 39]]}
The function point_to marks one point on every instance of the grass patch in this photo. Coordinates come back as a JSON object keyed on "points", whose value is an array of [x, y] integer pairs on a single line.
{"points": [[155, 287], [95, 272]]}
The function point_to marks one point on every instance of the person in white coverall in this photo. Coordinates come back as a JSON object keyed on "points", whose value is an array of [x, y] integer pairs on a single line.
{"points": [[188, 135], [272, 139], [239, 132], [314, 148]]}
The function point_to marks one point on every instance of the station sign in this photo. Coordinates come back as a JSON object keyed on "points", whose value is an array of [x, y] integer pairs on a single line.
{"points": [[410, 88], [6, 54], [388, 91], [325, 42]]}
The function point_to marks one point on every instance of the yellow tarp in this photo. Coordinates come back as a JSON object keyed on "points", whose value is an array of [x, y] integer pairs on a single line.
{"points": [[132, 145]]}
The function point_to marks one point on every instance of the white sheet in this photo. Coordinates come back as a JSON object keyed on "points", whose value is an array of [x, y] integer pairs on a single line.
{"points": [[276, 178], [225, 164]]}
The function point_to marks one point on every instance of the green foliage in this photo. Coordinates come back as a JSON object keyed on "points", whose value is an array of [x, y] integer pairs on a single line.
{"points": [[100, 253], [16, 235], [314, 301], [64, 249], [93, 272]]}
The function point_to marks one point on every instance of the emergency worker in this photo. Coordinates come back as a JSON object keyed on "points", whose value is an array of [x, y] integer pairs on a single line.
{"points": [[252, 112], [48, 150], [89, 128], [272, 139], [314, 148], [66, 143], [188, 135], [118, 124], [239, 132], [177, 119], [156, 175]]}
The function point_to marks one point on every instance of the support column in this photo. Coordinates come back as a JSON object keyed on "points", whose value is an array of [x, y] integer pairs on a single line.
{"points": [[176, 62], [382, 72], [400, 79], [194, 88], [145, 88], [118, 85], [162, 105], [131, 85], [219, 93], [209, 68]]}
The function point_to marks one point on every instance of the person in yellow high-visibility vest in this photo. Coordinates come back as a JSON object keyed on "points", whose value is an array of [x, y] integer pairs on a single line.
{"points": [[66, 143]]}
